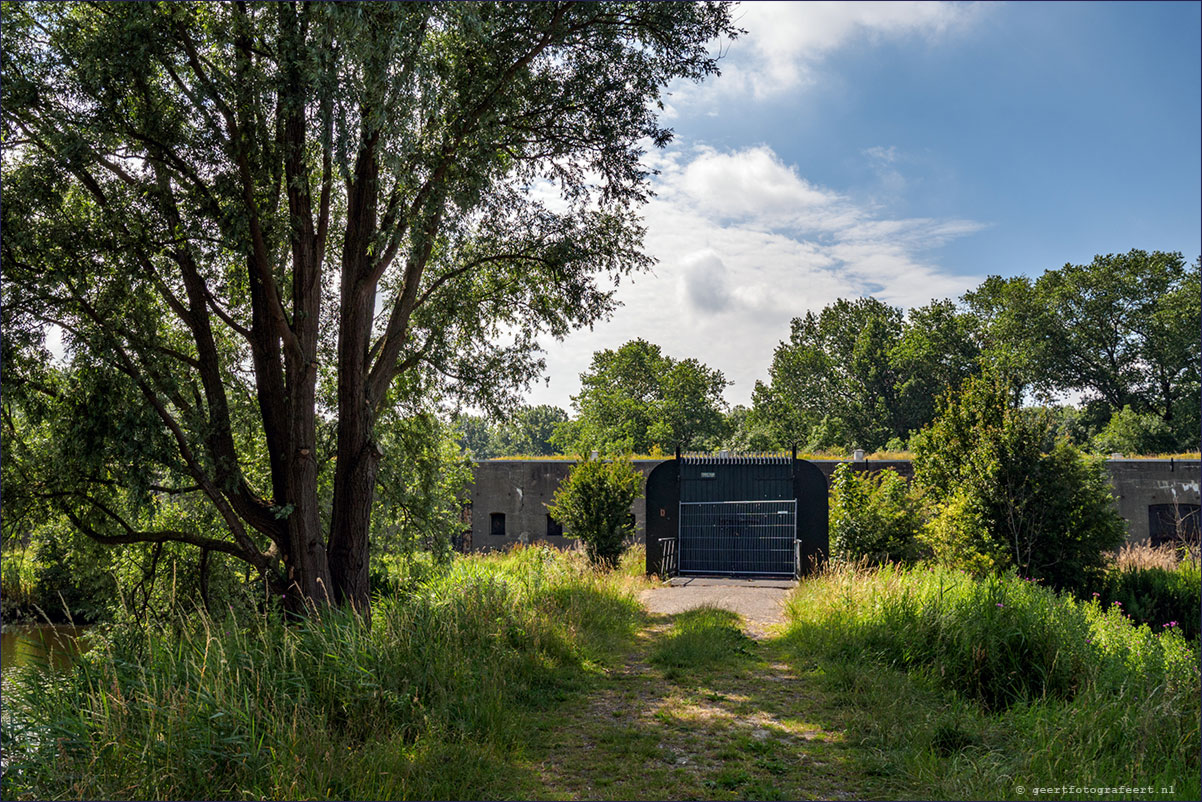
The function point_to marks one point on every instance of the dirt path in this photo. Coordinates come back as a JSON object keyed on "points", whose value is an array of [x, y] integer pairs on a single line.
{"points": [[750, 729]]}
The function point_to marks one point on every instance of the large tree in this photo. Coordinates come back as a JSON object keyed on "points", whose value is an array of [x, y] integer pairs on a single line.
{"points": [[636, 399], [249, 219], [1013, 332], [861, 372], [833, 377], [528, 431], [1124, 331]]}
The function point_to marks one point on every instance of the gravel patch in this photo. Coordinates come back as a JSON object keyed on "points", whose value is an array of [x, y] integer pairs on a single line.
{"points": [[759, 601]]}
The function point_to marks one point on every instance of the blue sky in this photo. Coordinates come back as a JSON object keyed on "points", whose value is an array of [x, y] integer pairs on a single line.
{"points": [[906, 151]]}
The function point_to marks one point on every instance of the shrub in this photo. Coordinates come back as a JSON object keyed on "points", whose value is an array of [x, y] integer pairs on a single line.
{"points": [[593, 504], [873, 516], [1000, 501], [1158, 597]]}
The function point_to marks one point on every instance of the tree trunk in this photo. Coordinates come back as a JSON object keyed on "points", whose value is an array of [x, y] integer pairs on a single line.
{"points": [[355, 473], [308, 570], [354, 492]]}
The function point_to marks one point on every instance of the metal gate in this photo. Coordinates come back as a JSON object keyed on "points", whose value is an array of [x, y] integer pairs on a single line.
{"points": [[738, 537]]}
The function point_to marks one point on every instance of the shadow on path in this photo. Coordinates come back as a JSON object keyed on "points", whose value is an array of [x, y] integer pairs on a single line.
{"points": [[747, 726]]}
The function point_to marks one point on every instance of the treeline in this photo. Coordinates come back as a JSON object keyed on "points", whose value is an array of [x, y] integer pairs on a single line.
{"points": [[1120, 335]]}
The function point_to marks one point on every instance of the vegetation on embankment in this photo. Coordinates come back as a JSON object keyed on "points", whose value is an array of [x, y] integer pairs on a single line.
{"points": [[961, 688], [426, 702]]}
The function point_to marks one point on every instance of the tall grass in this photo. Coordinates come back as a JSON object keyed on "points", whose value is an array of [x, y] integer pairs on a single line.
{"points": [[1160, 586], [1000, 683], [426, 702], [1141, 556]]}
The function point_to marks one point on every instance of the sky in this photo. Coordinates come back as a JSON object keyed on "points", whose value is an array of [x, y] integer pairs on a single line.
{"points": [[904, 151]]}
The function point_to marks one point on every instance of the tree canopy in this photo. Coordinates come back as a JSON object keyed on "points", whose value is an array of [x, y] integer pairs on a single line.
{"points": [[258, 225], [861, 373], [636, 399], [526, 431], [1122, 332]]}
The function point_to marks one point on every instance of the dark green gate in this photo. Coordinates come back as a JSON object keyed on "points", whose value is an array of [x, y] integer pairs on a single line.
{"points": [[736, 515]]}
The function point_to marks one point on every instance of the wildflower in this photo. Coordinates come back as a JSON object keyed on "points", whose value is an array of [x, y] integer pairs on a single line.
{"points": [[1096, 594], [999, 604], [1171, 624]]}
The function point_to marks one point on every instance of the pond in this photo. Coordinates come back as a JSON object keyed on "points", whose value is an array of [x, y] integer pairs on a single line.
{"points": [[50, 645]]}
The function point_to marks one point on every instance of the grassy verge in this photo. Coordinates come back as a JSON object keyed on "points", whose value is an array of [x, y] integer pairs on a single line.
{"points": [[955, 688], [428, 702]]}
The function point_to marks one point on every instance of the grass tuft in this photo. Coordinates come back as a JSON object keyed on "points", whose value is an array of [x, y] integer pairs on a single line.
{"points": [[701, 639]]}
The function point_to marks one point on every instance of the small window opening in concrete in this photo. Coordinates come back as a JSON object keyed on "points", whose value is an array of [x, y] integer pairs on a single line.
{"points": [[496, 523], [554, 527]]}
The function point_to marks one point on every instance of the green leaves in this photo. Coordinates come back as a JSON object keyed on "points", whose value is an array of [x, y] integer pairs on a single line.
{"points": [[873, 517], [998, 499], [1122, 331], [859, 373], [255, 219], [593, 504], [635, 399]]}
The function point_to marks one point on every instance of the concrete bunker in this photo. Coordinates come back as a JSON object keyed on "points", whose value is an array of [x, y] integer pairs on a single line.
{"points": [[736, 515]]}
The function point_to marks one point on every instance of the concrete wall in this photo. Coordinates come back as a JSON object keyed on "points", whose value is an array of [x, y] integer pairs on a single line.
{"points": [[521, 488], [1141, 482]]}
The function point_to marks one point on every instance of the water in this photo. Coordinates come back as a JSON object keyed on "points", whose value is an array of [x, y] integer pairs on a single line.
{"points": [[52, 646]]}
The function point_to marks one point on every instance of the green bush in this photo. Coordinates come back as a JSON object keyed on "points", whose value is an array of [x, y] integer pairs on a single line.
{"points": [[1000, 501], [593, 504], [59, 576], [1156, 596], [1129, 432], [873, 516]]}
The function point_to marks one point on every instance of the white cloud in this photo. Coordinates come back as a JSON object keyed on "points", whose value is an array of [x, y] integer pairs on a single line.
{"points": [[752, 187], [882, 154], [702, 283], [745, 244], [786, 41]]}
